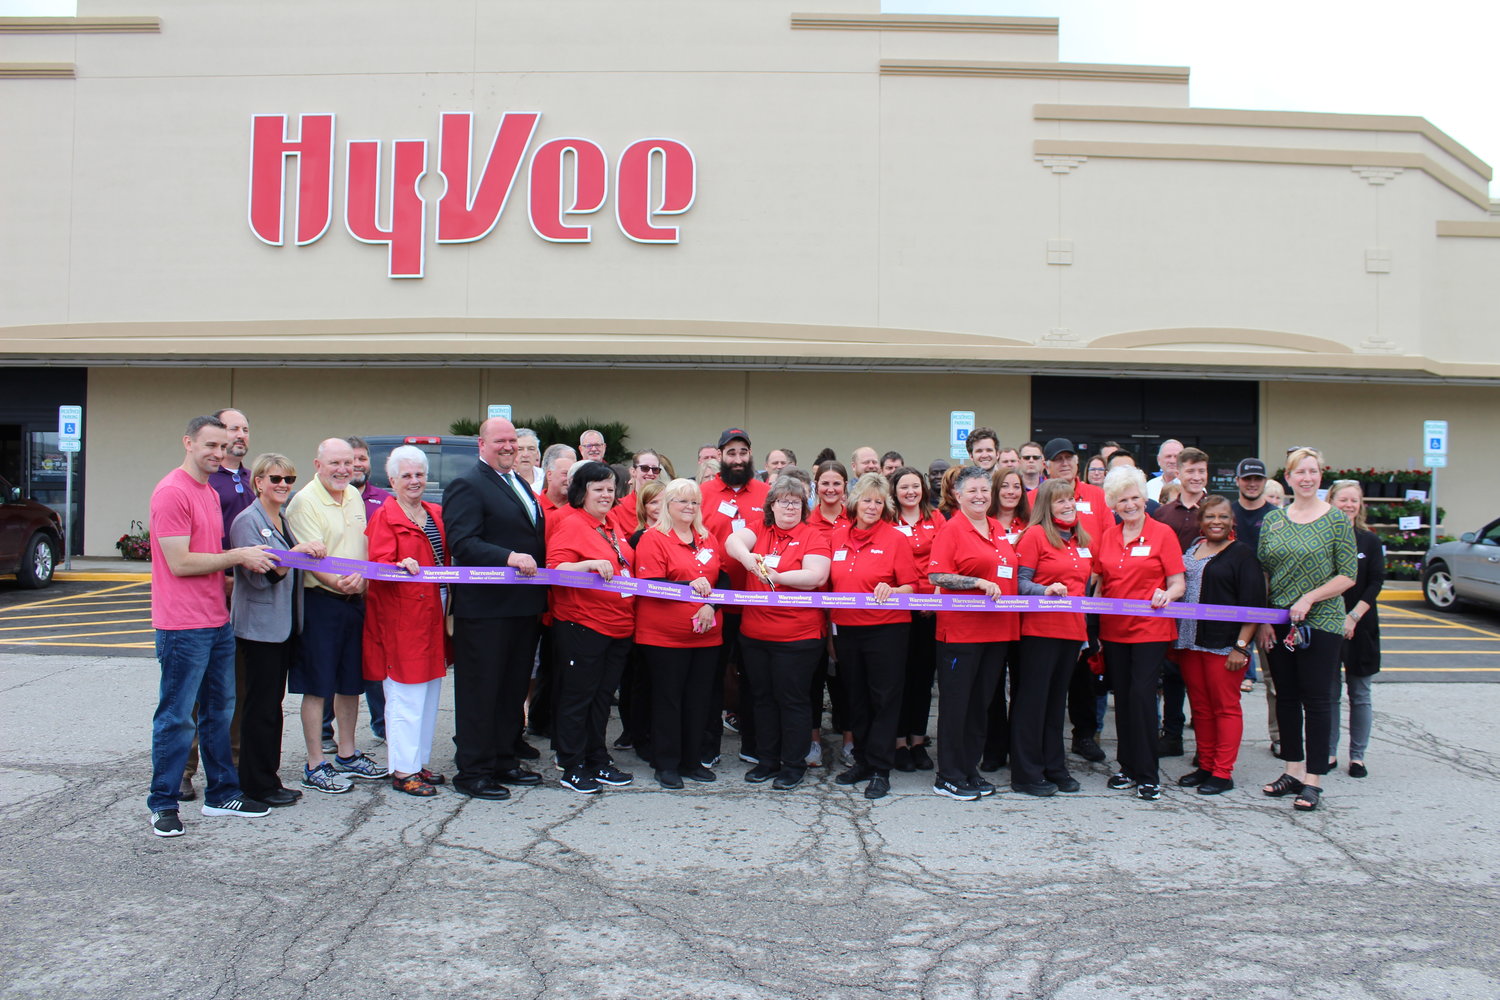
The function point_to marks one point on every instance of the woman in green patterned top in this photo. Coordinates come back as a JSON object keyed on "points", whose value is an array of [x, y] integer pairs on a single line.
{"points": [[1308, 552]]}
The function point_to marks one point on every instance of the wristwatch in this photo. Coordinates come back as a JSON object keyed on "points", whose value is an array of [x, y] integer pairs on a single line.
{"points": [[1242, 646]]}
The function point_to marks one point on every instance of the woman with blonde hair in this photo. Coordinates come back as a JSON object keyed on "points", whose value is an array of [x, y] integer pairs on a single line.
{"points": [[1361, 649], [1055, 561], [871, 557], [1309, 554], [679, 640]]}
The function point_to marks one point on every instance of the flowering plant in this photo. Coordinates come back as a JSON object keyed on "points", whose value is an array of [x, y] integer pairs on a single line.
{"points": [[135, 543]]}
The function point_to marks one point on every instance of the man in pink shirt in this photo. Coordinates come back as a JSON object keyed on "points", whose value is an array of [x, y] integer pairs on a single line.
{"points": [[194, 640]]}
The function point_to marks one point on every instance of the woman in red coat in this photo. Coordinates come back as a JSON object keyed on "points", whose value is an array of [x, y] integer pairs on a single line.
{"points": [[405, 643]]}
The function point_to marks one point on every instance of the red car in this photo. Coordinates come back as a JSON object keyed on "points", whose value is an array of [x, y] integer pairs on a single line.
{"points": [[30, 537]]}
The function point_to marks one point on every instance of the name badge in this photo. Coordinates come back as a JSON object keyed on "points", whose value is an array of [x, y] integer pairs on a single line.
{"points": [[1083, 506], [1085, 553], [1012, 536], [266, 533], [1005, 572], [905, 529], [841, 555], [737, 524], [704, 555], [770, 562], [1141, 550], [624, 595], [728, 509], [622, 571]]}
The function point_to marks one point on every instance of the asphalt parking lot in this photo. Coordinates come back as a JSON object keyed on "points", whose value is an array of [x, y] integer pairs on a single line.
{"points": [[113, 617]]}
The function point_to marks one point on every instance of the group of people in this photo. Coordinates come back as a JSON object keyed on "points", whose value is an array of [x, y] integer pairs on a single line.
{"points": [[236, 630]]}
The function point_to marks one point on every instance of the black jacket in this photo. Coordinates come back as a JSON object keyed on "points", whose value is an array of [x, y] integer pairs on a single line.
{"points": [[1232, 577], [486, 522], [1362, 653]]}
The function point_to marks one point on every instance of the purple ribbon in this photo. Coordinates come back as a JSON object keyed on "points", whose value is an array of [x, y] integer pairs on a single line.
{"points": [[391, 573]]}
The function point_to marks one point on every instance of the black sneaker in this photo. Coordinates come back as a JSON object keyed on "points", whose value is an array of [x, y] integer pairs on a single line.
{"points": [[980, 785], [699, 773], [953, 790], [166, 823], [855, 775], [248, 808], [1193, 778], [749, 758], [1168, 745], [789, 778], [613, 776], [1120, 781], [921, 758], [1148, 792], [579, 782], [902, 760], [1085, 747], [761, 772], [1067, 783], [624, 742], [1215, 786], [669, 779], [878, 788]]}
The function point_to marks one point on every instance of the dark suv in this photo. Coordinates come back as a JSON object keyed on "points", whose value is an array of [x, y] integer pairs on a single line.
{"points": [[30, 537], [447, 456]]}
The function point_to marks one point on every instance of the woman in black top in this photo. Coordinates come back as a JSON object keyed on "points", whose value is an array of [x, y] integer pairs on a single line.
{"points": [[1361, 653]]}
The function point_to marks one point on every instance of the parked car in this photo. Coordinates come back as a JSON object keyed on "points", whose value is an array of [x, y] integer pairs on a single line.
{"points": [[1465, 570], [30, 537], [447, 456]]}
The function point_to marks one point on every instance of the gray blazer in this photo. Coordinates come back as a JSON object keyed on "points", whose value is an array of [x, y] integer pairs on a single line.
{"points": [[264, 608]]}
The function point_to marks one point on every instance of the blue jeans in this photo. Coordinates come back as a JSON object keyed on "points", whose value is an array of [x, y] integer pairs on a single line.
{"points": [[1361, 715], [197, 666]]}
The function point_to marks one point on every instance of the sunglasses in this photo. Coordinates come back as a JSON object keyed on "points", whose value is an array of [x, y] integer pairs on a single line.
{"points": [[278, 480], [653, 469], [1298, 637]]}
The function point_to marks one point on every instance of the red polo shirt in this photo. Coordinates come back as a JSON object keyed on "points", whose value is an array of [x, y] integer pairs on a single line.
{"points": [[1072, 564], [1135, 568], [664, 556], [725, 506], [827, 527], [861, 559], [623, 515], [788, 549], [960, 548], [921, 535], [577, 539], [552, 514]]}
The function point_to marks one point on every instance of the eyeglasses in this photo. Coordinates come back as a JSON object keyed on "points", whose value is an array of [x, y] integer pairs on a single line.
{"points": [[278, 480], [787, 502], [239, 487], [690, 503], [653, 469]]}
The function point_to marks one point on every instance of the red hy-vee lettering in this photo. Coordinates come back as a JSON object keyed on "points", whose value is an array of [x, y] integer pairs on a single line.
{"points": [[567, 180]]}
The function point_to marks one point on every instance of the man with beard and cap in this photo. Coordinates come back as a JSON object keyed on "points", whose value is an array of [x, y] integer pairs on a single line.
{"points": [[731, 500]]}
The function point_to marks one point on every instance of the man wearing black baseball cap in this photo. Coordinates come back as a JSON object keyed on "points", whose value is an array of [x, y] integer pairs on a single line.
{"points": [[731, 500]]}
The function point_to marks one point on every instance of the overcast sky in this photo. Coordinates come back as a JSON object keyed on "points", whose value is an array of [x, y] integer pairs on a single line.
{"points": [[1374, 57], [1351, 56]]}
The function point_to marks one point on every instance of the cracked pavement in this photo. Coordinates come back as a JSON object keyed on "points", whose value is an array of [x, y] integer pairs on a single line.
{"points": [[736, 891]]}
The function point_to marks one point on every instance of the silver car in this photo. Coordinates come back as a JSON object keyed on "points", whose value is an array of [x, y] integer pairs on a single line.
{"points": [[1465, 570]]}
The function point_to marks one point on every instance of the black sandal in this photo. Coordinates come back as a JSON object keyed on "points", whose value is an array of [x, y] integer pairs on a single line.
{"points": [[1282, 786], [1307, 799]]}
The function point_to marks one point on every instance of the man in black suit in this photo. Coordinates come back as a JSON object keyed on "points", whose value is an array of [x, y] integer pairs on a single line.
{"points": [[493, 519]]}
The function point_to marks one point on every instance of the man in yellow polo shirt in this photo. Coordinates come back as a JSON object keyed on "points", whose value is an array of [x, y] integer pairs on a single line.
{"points": [[328, 664]]}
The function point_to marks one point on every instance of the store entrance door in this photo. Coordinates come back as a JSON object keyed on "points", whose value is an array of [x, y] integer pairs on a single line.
{"points": [[1220, 417]]}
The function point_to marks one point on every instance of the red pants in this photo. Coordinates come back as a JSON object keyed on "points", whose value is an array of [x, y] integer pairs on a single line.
{"points": [[1214, 693]]}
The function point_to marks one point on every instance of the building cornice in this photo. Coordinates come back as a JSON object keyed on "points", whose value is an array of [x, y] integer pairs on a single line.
{"points": [[927, 22], [1347, 158], [37, 71], [1105, 72], [1266, 119], [79, 25], [1480, 230]]}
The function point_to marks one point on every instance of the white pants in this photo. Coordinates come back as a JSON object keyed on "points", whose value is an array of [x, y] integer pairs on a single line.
{"points": [[410, 717]]}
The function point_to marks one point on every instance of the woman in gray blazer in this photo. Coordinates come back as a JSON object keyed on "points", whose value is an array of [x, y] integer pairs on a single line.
{"points": [[266, 609]]}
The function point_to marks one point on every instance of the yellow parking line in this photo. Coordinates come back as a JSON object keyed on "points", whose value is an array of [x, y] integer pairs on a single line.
{"points": [[81, 576], [74, 597], [82, 645], [1465, 652], [80, 635], [99, 611], [1441, 638], [1459, 625], [1441, 670], [23, 610], [117, 621]]}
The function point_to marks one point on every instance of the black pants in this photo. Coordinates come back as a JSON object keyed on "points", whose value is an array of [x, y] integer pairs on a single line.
{"points": [[635, 700], [834, 683], [1135, 669], [1084, 689], [871, 662], [1304, 696], [589, 670], [1038, 707], [266, 665], [997, 719], [492, 660], [921, 665], [681, 688], [779, 673], [728, 658], [1173, 698], [542, 711], [967, 675]]}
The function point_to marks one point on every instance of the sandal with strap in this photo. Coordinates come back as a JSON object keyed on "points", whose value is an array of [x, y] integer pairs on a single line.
{"points": [[1283, 785], [1307, 799], [413, 784]]}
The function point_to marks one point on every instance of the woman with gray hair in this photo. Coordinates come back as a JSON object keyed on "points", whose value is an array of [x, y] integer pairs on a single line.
{"points": [[780, 646], [406, 645], [1138, 558], [871, 557]]}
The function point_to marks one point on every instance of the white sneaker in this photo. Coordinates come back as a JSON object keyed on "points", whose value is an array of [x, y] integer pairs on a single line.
{"points": [[847, 755], [814, 755]]}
